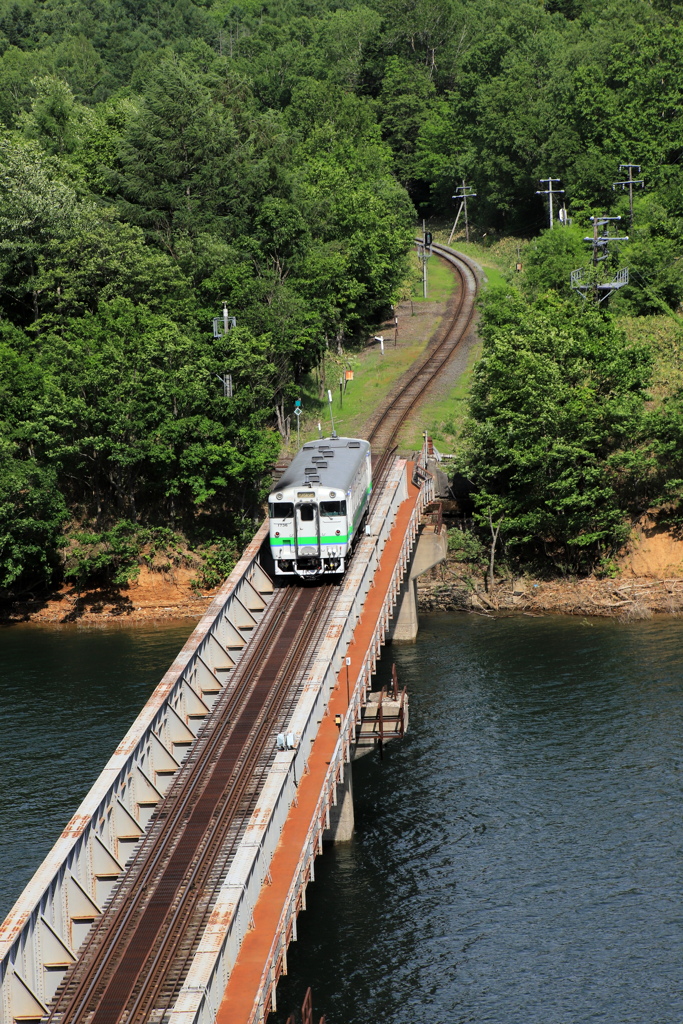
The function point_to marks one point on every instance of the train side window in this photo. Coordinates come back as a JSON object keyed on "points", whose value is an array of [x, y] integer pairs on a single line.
{"points": [[281, 510], [332, 508], [306, 513]]}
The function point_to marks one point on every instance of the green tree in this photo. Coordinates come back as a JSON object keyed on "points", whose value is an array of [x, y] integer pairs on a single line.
{"points": [[180, 158], [551, 257], [32, 514], [407, 95], [556, 400]]}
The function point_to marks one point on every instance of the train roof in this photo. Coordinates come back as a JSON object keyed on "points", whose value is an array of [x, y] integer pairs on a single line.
{"points": [[328, 462]]}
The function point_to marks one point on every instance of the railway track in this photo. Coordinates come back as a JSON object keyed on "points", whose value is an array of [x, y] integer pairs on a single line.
{"points": [[387, 422], [137, 953]]}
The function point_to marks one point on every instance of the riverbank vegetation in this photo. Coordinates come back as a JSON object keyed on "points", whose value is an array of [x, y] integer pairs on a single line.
{"points": [[159, 160]]}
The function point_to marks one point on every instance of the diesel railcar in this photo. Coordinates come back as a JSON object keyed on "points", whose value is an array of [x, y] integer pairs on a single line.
{"points": [[317, 506]]}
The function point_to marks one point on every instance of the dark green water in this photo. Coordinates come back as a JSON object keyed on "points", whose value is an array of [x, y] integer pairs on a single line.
{"points": [[518, 858], [67, 697]]}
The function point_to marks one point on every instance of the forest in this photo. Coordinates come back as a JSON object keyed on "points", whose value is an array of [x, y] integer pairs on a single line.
{"points": [[159, 158]]}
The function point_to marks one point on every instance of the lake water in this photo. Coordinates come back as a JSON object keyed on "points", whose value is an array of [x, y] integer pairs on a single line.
{"points": [[67, 697], [517, 858]]}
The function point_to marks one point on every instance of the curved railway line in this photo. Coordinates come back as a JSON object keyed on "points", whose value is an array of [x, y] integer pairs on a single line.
{"points": [[138, 952], [406, 394]]}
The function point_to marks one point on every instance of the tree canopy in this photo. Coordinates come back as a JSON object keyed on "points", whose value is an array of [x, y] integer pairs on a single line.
{"points": [[157, 160]]}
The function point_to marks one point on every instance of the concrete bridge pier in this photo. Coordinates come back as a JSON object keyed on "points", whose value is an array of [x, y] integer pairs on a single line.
{"points": [[431, 548], [342, 817]]}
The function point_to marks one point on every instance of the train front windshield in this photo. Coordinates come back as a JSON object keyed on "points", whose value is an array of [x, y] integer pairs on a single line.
{"points": [[333, 508], [281, 510]]}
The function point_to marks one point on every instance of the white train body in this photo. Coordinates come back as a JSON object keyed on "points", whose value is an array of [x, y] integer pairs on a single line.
{"points": [[317, 506]]}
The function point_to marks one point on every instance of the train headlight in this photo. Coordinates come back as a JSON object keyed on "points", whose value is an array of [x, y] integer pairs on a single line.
{"points": [[337, 532], [279, 497], [277, 533], [333, 494]]}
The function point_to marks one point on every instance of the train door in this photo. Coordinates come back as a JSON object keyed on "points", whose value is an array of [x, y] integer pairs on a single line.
{"points": [[307, 530]]}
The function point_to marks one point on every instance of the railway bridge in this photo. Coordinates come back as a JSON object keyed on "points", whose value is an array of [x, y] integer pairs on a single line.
{"points": [[173, 893]]}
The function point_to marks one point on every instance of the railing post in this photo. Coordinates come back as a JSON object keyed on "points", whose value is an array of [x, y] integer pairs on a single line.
{"points": [[307, 1008]]}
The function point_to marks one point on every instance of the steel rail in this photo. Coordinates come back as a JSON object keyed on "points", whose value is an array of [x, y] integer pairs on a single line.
{"points": [[314, 630], [118, 917], [170, 885], [412, 385], [295, 661]]}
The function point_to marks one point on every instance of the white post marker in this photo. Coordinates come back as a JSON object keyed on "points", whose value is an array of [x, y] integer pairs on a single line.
{"points": [[329, 399]]}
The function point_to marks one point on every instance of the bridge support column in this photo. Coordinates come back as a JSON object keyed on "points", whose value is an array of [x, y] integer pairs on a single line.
{"points": [[404, 627], [342, 818], [431, 548]]}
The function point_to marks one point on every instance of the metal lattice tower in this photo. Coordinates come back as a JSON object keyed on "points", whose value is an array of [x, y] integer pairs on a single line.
{"points": [[589, 283]]}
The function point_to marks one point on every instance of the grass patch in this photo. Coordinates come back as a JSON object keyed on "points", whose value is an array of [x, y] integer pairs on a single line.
{"points": [[443, 418], [439, 281], [498, 257], [374, 374], [665, 337]]}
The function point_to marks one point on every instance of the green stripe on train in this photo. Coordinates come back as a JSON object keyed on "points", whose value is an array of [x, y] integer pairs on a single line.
{"points": [[342, 539]]}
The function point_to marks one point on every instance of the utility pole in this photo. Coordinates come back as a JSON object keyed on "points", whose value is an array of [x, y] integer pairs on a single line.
{"points": [[629, 183], [329, 400], [549, 192], [463, 193], [297, 413], [424, 251]]}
